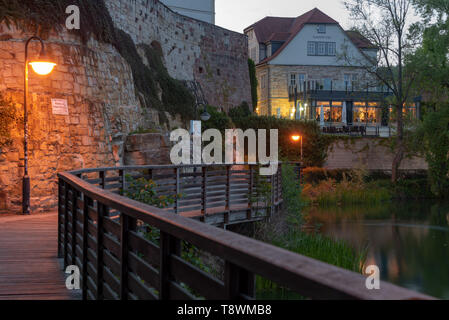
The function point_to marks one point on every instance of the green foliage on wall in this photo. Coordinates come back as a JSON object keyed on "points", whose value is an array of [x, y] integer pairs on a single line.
{"points": [[314, 143], [8, 115], [42, 16], [254, 82], [156, 89]]}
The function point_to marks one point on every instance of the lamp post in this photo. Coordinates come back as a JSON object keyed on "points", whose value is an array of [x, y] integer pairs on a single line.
{"points": [[297, 138], [42, 66]]}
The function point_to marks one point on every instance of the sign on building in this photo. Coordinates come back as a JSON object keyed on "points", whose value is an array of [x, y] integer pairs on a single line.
{"points": [[60, 107]]}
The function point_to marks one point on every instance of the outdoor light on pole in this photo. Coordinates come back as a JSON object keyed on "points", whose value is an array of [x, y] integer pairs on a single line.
{"points": [[42, 66], [297, 138], [205, 116]]}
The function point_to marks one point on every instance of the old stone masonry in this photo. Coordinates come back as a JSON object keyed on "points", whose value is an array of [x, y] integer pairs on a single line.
{"points": [[104, 106]]}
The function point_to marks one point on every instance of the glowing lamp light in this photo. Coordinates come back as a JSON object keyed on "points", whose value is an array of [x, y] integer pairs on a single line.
{"points": [[296, 138], [42, 67]]}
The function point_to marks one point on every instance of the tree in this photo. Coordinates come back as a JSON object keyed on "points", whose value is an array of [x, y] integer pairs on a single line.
{"points": [[386, 24], [431, 60], [435, 141]]}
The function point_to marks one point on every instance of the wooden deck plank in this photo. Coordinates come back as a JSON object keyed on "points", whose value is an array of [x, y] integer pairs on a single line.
{"points": [[29, 268]]}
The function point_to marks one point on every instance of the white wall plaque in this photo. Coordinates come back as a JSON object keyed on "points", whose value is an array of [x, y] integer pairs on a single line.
{"points": [[60, 107]]}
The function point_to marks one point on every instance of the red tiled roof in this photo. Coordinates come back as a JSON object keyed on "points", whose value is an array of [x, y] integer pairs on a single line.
{"points": [[285, 29], [359, 40]]}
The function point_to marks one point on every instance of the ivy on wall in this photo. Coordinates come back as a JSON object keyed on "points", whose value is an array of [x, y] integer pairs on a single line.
{"points": [[156, 89], [8, 116], [254, 82]]}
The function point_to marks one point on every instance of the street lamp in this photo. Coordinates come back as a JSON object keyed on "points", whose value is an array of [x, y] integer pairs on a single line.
{"points": [[297, 138], [42, 66], [205, 116]]}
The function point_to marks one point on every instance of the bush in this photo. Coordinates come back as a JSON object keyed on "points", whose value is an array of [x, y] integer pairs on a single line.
{"points": [[218, 120], [315, 175], [242, 111], [435, 132]]}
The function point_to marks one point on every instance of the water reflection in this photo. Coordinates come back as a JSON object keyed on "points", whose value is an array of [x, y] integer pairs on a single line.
{"points": [[409, 241]]}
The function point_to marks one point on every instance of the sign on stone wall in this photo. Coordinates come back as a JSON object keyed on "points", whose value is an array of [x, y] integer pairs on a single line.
{"points": [[60, 107]]}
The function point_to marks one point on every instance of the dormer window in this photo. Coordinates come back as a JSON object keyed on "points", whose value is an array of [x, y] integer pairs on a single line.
{"points": [[321, 28]]}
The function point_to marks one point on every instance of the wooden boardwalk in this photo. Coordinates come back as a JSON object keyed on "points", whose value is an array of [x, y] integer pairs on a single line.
{"points": [[29, 268]]}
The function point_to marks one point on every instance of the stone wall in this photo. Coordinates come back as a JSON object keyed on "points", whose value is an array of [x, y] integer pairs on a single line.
{"points": [[98, 85], [367, 153], [142, 149], [217, 58]]}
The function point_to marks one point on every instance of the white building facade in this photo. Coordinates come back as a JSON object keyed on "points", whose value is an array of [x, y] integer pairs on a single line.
{"points": [[203, 10], [310, 68]]}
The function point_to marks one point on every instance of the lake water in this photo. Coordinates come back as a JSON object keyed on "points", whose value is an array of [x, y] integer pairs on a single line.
{"points": [[408, 241]]}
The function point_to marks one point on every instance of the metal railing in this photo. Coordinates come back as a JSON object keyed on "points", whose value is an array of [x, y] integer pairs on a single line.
{"points": [[103, 233]]}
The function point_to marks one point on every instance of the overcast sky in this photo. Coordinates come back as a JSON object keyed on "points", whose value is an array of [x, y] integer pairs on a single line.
{"points": [[238, 14]]}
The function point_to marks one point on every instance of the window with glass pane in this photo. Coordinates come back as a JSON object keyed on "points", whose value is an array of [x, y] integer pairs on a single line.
{"points": [[311, 48], [321, 48], [301, 80], [321, 28], [337, 111], [331, 48], [293, 79], [327, 84]]}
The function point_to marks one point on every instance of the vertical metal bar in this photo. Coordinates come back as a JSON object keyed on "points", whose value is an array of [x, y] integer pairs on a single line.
{"points": [[238, 282], [101, 212], [102, 179], [178, 190], [85, 244], [204, 194], [249, 213], [169, 245], [74, 223], [228, 195], [60, 182], [121, 174], [124, 226], [66, 223]]}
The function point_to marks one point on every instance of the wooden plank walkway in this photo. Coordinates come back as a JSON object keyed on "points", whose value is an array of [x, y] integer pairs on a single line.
{"points": [[29, 268]]}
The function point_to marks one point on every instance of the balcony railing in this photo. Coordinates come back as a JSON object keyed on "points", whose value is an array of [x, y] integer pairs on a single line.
{"points": [[331, 86]]}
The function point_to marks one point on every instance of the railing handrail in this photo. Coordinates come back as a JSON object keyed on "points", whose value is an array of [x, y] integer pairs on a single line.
{"points": [[160, 167], [304, 275]]}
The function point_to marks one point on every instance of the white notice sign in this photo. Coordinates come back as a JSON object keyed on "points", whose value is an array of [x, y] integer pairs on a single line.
{"points": [[60, 107]]}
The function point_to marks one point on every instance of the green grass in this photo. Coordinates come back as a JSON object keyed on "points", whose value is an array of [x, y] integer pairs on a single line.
{"points": [[334, 252]]}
